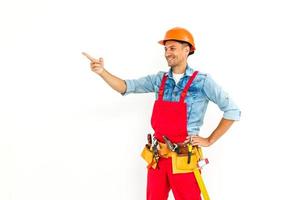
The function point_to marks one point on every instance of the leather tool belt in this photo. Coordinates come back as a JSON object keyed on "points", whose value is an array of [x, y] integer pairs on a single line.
{"points": [[180, 164]]}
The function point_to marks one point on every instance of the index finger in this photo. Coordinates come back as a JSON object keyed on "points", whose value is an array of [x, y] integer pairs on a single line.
{"points": [[88, 57]]}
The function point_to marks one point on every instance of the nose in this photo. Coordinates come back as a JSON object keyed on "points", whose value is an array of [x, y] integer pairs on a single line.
{"points": [[167, 52]]}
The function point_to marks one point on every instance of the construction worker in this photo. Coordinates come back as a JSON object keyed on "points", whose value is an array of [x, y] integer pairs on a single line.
{"points": [[182, 96]]}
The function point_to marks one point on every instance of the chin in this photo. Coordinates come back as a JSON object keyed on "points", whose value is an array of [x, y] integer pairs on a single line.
{"points": [[170, 64]]}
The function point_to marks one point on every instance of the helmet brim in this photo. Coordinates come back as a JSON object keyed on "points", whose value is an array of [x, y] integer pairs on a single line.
{"points": [[162, 42]]}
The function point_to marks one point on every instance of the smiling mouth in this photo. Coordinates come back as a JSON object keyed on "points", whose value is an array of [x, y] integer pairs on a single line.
{"points": [[170, 59]]}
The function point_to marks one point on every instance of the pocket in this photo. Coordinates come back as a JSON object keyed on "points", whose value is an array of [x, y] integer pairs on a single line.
{"points": [[147, 155], [182, 162]]}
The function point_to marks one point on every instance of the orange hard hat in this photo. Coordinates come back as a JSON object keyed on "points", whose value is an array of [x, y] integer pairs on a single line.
{"points": [[179, 34]]}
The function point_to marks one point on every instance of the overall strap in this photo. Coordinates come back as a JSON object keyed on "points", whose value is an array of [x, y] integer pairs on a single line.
{"points": [[187, 86], [162, 87]]}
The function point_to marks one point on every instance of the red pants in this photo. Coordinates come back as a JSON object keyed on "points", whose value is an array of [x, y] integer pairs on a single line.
{"points": [[161, 180]]}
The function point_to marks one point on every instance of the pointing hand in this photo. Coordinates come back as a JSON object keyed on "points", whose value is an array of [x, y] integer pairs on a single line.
{"points": [[97, 65]]}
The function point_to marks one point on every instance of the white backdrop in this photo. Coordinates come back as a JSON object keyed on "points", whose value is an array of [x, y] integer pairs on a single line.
{"points": [[64, 134]]}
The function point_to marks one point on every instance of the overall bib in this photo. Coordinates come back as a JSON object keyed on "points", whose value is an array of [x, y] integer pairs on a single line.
{"points": [[170, 119]]}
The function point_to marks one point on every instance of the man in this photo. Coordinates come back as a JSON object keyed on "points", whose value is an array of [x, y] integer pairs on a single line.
{"points": [[182, 96]]}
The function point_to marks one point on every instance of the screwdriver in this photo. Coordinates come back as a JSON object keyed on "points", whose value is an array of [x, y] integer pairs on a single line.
{"points": [[190, 147]]}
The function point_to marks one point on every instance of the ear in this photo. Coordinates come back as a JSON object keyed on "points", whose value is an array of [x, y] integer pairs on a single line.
{"points": [[187, 50]]}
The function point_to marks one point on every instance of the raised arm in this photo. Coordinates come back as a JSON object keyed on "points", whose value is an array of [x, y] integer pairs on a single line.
{"points": [[97, 66]]}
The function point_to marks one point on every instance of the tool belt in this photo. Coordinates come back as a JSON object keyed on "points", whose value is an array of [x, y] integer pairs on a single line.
{"points": [[180, 162], [184, 160]]}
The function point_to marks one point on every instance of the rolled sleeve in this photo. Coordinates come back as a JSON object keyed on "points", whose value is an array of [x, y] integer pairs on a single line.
{"points": [[145, 84], [217, 95], [129, 87], [231, 111]]}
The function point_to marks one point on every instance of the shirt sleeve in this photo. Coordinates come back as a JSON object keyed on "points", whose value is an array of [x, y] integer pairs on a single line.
{"points": [[144, 84], [217, 95]]}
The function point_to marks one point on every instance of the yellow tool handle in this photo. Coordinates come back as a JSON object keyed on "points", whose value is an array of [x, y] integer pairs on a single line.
{"points": [[201, 184]]}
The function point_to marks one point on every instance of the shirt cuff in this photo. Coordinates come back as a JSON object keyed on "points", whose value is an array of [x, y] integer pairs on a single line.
{"points": [[232, 115], [129, 87]]}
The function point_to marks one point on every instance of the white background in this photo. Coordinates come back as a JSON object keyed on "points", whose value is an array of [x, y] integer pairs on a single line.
{"points": [[64, 134]]}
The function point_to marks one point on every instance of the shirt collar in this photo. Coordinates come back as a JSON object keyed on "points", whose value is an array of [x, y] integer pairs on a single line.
{"points": [[188, 72]]}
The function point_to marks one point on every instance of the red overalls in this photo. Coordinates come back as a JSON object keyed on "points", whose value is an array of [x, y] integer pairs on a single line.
{"points": [[170, 119]]}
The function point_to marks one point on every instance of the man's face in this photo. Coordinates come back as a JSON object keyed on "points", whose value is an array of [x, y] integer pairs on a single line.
{"points": [[176, 53]]}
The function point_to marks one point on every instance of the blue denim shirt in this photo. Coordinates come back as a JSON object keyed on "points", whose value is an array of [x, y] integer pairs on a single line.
{"points": [[202, 90]]}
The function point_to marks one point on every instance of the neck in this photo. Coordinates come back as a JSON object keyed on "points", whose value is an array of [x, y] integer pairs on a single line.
{"points": [[179, 69]]}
